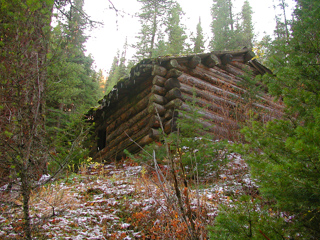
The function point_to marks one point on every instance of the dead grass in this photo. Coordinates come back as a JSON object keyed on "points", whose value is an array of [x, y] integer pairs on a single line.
{"points": [[119, 201]]}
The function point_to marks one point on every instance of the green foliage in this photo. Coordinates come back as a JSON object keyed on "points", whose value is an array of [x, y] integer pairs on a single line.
{"points": [[199, 39], [161, 30], [152, 16], [193, 145], [190, 145], [176, 31], [246, 32], [230, 32], [249, 218], [118, 69], [284, 154], [222, 25], [72, 87], [67, 145]]}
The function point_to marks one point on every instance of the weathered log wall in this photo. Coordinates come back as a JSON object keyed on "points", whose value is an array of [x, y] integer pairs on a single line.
{"points": [[128, 116]]}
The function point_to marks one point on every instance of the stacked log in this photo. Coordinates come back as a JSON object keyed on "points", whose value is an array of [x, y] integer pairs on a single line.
{"points": [[158, 92]]}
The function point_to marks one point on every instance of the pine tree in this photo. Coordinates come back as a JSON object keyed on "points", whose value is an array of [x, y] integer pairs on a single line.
{"points": [[199, 39], [230, 32], [118, 69], [73, 86], [284, 154], [222, 25], [25, 32], [247, 25], [152, 17], [176, 31]]}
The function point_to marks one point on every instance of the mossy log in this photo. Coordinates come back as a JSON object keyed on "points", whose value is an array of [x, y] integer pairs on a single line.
{"points": [[211, 61], [194, 62], [174, 104], [170, 126], [173, 94], [155, 121], [155, 108], [158, 70], [173, 73], [157, 99], [172, 83], [170, 113], [154, 134], [173, 63], [226, 58], [143, 70], [158, 90], [158, 80]]}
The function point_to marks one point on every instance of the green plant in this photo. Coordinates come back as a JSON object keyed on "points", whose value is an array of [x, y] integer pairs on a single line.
{"points": [[249, 218]]}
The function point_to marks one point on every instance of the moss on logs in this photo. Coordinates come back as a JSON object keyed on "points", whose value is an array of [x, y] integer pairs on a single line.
{"points": [[158, 90], [173, 94], [158, 80], [155, 108], [174, 104], [194, 62], [172, 83], [158, 99], [158, 70], [170, 126], [170, 113], [226, 58], [154, 134], [211, 61], [173, 63], [173, 73]]}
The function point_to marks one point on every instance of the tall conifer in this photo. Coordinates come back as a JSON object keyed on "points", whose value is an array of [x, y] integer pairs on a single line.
{"points": [[199, 39], [284, 154], [152, 17], [175, 30]]}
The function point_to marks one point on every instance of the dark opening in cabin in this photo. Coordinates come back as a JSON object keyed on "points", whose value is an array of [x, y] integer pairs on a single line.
{"points": [[101, 139]]}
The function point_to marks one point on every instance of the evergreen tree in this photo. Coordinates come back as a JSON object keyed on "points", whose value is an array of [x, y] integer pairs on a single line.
{"points": [[228, 33], [175, 30], [152, 17], [72, 83], [247, 25], [118, 69], [222, 25], [25, 32], [199, 39], [73, 86], [284, 154]]}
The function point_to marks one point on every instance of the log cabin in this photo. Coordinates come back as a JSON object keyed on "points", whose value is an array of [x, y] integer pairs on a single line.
{"points": [[157, 93]]}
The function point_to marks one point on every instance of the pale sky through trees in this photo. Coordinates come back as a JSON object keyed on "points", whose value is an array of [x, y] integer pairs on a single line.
{"points": [[104, 41]]}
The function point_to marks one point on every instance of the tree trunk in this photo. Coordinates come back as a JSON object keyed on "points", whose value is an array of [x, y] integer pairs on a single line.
{"points": [[25, 190]]}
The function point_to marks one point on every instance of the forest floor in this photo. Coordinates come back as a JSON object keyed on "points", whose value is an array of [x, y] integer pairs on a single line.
{"points": [[123, 200]]}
